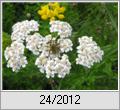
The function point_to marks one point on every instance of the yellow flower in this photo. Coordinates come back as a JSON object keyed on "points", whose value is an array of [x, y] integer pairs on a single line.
{"points": [[44, 17], [61, 16], [55, 12], [51, 11], [52, 19], [61, 9]]}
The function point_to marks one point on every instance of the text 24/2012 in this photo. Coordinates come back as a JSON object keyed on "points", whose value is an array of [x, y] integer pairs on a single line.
{"points": [[60, 99]]}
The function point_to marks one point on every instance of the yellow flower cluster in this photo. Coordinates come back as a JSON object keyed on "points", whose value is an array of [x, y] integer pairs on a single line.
{"points": [[51, 11]]}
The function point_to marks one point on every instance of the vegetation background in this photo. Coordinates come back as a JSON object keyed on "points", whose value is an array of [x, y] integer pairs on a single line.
{"points": [[99, 20]]}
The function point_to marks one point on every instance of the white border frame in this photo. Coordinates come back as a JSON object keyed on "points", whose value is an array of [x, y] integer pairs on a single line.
{"points": [[27, 1]]}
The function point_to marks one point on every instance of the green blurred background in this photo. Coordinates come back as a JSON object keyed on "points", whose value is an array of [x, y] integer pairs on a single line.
{"points": [[99, 20]]}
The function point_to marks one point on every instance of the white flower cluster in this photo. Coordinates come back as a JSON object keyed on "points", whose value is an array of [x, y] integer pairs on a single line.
{"points": [[51, 51], [51, 61], [63, 28], [34, 43], [52, 66], [15, 57], [65, 45], [15, 53], [88, 52], [22, 29]]}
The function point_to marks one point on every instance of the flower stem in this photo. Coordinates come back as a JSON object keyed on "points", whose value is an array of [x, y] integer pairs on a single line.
{"points": [[51, 82], [59, 86]]}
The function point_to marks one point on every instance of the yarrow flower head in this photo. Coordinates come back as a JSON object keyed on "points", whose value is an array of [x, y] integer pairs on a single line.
{"points": [[88, 52], [51, 66], [34, 43], [15, 56], [53, 60], [51, 50], [22, 29], [15, 53], [63, 28]]}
